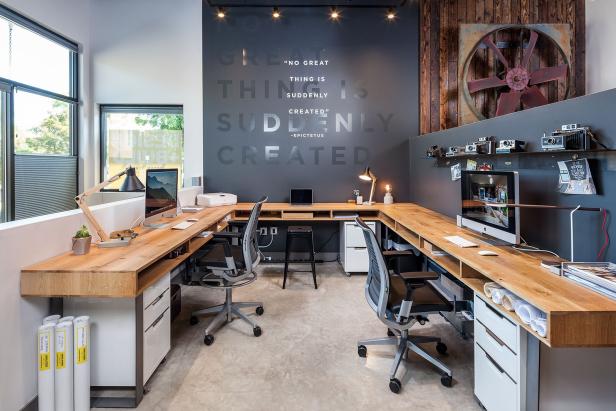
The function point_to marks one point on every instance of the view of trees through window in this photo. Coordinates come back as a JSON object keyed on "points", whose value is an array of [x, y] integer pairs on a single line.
{"points": [[143, 140]]}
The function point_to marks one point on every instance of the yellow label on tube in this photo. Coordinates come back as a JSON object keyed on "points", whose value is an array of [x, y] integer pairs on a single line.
{"points": [[82, 345], [44, 351], [60, 349]]}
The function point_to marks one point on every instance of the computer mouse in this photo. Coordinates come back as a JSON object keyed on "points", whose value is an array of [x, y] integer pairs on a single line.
{"points": [[192, 220], [486, 252]]}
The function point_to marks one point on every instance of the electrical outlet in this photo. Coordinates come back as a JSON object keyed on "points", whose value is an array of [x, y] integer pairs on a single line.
{"points": [[262, 230], [274, 230]]}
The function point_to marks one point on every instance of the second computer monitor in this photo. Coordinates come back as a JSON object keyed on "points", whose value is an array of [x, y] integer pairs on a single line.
{"points": [[161, 193], [301, 196]]}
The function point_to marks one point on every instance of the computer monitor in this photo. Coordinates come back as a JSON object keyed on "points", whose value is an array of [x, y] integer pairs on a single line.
{"points": [[301, 196], [161, 194], [485, 195]]}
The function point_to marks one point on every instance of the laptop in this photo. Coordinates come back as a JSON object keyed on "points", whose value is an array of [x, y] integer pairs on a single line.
{"points": [[301, 196]]}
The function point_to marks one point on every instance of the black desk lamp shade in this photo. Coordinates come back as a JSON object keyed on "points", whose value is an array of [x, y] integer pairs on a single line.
{"points": [[132, 182]]}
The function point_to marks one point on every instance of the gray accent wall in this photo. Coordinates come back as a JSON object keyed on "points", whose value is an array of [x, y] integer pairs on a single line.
{"points": [[254, 145], [431, 185]]}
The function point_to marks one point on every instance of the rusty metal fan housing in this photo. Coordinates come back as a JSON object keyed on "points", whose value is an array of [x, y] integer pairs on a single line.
{"points": [[515, 79]]}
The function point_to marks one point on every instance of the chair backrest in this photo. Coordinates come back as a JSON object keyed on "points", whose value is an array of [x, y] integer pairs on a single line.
{"points": [[377, 281], [250, 244]]}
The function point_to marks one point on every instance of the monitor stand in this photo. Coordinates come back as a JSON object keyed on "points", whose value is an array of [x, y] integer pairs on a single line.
{"points": [[493, 240], [155, 225], [155, 219]]}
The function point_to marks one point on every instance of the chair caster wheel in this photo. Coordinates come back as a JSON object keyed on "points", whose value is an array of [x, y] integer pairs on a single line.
{"points": [[260, 310], [257, 331], [193, 320], [208, 339], [441, 348], [362, 351], [395, 385], [446, 380], [390, 333]]}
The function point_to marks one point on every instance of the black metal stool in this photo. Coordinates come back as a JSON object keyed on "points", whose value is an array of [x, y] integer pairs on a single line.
{"points": [[299, 233]]}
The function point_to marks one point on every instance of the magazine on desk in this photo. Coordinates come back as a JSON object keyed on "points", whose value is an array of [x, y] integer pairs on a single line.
{"points": [[601, 277]]}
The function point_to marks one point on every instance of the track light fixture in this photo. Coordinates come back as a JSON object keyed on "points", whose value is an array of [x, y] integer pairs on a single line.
{"points": [[276, 13], [334, 14], [221, 13], [391, 14]]}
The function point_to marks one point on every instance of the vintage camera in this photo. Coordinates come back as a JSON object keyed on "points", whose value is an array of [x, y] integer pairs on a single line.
{"points": [[435, 151], [510, 146], [454, 151], [471, 148], [569, 137], [486, 145]]}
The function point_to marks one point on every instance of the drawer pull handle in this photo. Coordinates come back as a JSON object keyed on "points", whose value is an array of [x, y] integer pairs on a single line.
{"points": [[494, 310], [157, 320], [494, 337], [160, 297], [359, 248], [498, 367]]}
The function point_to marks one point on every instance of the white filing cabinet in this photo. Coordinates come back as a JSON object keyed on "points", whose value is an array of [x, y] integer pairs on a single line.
{"points": [[500, 359], [114, 324], [353, 252]]}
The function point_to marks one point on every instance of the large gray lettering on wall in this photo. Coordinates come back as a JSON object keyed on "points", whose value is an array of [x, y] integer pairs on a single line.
{"points": [[307, 102]]}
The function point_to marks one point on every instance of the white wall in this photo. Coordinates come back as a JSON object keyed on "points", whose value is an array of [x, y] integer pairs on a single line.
{"points": [[149, 52], [23, 243], [600, 45]]}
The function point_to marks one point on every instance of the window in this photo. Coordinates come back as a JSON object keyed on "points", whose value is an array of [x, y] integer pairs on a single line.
{"points": [[38, 112], [141, 136]]}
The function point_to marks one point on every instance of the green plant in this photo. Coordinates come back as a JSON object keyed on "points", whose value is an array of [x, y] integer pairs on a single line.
{"points": [[82, 232]]}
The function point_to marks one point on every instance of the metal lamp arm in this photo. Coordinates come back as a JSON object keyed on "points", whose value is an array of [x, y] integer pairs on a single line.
{"points": [[81, 201]]}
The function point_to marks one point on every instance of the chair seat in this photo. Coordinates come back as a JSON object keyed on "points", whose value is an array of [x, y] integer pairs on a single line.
{"points": [[299, 229], [425, 298], [214, 256]]}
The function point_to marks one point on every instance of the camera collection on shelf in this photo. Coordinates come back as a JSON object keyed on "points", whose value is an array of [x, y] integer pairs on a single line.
{"points": [[569, 137]]}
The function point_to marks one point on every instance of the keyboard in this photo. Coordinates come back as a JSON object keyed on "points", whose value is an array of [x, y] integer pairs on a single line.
{"points": [[460, 242], [183, 225]]}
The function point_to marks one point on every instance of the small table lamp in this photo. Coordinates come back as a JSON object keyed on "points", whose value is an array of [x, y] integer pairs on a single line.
{"points": [[367, 175], [118, 238]]}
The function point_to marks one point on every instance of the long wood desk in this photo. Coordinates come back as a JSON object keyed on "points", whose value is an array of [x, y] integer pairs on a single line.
{"points": [[577, 317]]}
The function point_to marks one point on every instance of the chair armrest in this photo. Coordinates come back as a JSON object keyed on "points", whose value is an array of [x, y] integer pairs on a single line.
{"points": [[417, 277], [396, 253], [228, 235]]}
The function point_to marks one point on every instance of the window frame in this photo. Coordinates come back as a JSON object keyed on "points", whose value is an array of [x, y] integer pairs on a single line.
{"points": [[12, 86], [127, 108]]}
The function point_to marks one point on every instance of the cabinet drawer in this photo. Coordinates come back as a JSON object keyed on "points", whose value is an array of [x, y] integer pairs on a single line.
{"points": [[156, 344], [497, 350], [497, 323], [155, 290], [156, 308], [493, 387], [356, 260], [354, 235]]}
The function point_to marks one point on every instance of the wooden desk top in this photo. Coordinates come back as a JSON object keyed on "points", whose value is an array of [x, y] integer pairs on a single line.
{"points": [[576, 315], [120, 271]]}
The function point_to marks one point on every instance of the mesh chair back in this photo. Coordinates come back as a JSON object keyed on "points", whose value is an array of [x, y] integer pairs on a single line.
{"points": [[250, 245], [377, 281]]}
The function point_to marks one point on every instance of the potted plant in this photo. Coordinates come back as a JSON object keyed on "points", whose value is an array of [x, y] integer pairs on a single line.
{"points": [[82, 241]]}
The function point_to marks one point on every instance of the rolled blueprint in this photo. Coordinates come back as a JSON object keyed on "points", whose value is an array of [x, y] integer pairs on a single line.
{"points": [[539, 325], [64, 366], [81, 349], [45, 354], [511, 301], [489, 288], [528, 312], [498, 294], [67, 318]]}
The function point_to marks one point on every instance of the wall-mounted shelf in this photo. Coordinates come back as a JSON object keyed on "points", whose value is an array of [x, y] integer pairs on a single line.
{"points": [[518, 153]]}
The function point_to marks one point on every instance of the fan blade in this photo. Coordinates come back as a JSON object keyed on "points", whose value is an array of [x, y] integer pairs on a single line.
{"points": [[546, 74], [529, 49], [532, 97], [484, 83], [488, 42], [508, 102]]}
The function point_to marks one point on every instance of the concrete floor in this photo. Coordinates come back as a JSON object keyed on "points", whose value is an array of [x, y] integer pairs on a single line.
{"points": [[306, 358]]}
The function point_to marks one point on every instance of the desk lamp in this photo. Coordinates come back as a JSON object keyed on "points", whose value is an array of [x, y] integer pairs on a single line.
{"points": [[118, 238], [369, 176]]}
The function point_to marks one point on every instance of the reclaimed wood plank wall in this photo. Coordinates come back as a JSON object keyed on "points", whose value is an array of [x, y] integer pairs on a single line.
{"points": [[438, 58]]}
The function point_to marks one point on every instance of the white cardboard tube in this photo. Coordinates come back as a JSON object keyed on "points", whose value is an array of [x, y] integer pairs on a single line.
{"points": [[46, 354], [81, 349], [51, 319], [64, 366]]}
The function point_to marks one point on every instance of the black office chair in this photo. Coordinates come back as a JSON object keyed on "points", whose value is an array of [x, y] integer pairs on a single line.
{"points": [[227, 266], [400, 301]]}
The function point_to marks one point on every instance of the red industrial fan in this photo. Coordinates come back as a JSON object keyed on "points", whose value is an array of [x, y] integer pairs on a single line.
{"points": [[514, 81]]}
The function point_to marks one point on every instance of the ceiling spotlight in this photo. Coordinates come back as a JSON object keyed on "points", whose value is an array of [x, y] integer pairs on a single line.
{"points": [[276, 13], [391, 14], [221, 14], [334, 14]]}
